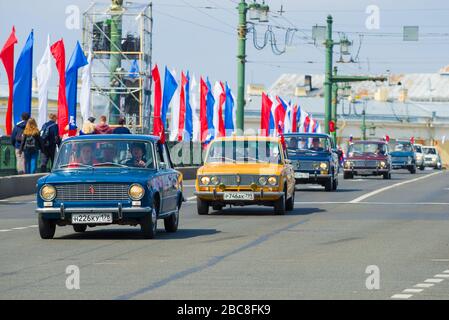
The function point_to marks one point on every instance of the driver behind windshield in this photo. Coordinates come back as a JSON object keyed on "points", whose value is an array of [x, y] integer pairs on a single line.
{"points": [[316, 145], [138, 159]]}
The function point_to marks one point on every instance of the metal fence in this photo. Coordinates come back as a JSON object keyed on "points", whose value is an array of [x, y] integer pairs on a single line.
{"points": [[7, 157]]}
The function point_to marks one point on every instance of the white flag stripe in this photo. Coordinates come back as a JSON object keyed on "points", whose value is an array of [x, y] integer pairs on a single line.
{"points": [[43, 73], [86, 83], [174, 110]]}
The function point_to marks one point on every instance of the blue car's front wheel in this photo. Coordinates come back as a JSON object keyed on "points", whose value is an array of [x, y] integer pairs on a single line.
{"points": [[148, 225], [47, 228]]}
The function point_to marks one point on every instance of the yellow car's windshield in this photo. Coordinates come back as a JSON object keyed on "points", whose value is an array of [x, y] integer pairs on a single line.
{"points": [[247, 151]]}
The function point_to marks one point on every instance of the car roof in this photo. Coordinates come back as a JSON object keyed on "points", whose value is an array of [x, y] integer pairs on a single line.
{"points": [[299, 134], [247, 138], [106, 137], [429, 147], [369, 141]]}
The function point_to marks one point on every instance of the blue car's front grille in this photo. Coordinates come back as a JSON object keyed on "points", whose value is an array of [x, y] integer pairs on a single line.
{"points": [[91, 192], [401, 160]]}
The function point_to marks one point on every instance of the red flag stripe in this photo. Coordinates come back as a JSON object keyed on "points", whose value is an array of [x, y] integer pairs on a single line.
{"points": [[58, 52], [7, 56]]}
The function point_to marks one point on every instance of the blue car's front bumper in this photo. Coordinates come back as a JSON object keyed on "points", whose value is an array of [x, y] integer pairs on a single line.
{"points": [[119, 213]]}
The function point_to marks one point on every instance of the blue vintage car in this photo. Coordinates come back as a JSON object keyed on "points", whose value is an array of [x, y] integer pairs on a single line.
{"points": [[110, 179], [314, 159], [403, 156]]}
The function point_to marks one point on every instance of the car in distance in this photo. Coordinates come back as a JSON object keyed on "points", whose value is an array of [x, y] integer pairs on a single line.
{"points": [[419, 156], [313, 158], [100, 180], [432, 158], [245, 170], [367, 158], [403, 156]]}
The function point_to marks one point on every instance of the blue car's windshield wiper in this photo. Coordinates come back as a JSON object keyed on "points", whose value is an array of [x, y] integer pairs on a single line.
{"points": [[105, 164], [75, 165]]}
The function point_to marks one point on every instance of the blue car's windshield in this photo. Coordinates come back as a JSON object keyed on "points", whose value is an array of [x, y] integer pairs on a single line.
{"points": [[307, 143], [106, 153], [401, 146]]}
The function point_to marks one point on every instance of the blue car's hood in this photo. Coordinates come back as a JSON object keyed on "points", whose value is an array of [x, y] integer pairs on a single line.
{"points": [[98, 176], [402, 154], [318, 156]]}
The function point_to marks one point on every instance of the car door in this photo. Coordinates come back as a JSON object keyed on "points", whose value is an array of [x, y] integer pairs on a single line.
{"points": [[168, 178]]}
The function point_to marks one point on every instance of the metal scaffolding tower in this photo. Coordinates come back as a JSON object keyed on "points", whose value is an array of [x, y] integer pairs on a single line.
{"points": [[120, 39]]}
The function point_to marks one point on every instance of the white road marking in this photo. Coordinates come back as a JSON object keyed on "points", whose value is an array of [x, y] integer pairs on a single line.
{"points": [[376, 203], [442, 276], [191, 198], [370, 194], [446, 271], [433, 280], [19, 228], [440, 260], [401, 296], [412, 290], [424, 285]]}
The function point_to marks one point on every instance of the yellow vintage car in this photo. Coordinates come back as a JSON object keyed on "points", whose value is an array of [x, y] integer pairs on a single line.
{"points": [[245, 170]]}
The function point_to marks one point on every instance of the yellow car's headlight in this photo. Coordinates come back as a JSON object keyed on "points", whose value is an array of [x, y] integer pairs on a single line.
{"points": [[263, 181], [323, 165], [48, 193], [205, 180], [272, 181], [214, 180], [136, 192]]}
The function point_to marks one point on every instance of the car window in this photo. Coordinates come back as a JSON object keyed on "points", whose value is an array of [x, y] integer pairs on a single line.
{"points": [[311, 143], [429, 151], [367, 148], [106, 153], [250, 151]]}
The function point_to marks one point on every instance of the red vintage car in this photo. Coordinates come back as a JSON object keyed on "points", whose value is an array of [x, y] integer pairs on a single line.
{"points": [[368, 158]]}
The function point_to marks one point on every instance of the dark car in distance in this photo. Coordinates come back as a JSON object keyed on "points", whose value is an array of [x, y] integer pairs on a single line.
{"points": [[403, 156], [314, 159], [367, 158]]}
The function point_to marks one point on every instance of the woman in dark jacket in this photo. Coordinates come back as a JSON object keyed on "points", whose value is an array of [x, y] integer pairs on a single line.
{"points": [[31, 145]]}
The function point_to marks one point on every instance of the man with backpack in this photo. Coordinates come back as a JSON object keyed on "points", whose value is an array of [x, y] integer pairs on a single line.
{"points": [[16, 141], [50, 139]]}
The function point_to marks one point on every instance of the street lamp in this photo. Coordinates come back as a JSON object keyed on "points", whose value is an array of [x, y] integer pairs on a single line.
{"points": [[257, 12]]}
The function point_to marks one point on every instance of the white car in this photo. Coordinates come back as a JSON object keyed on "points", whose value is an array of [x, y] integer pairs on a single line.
{"points": [[419, 156], [431, 157]]}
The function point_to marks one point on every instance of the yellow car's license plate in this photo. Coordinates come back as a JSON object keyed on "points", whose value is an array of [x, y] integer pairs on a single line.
{"points": [[245, 196]]}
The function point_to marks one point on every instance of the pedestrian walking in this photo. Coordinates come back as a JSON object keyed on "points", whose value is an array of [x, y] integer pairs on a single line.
{"points": [[121, 129], [50, 141], [31, 145], [16, 141], [103, 127]]}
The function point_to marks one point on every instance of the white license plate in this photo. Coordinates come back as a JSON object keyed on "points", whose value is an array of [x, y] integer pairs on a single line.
{"points": [[85, 218], [238, 196], [301, 175]]}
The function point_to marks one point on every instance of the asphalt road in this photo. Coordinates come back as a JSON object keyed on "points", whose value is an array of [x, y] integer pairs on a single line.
{"points": [[321, 250]]}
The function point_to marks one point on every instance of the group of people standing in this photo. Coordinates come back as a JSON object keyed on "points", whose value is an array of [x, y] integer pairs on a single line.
{"points": [[29, 141]]}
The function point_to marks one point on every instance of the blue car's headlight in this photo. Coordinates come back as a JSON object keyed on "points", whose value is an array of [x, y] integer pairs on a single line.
{"points": [[48, 192], [136, 192]]}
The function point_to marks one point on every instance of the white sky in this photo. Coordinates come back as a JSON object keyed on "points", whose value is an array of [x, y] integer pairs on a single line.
{"points": [[189, 36]]}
